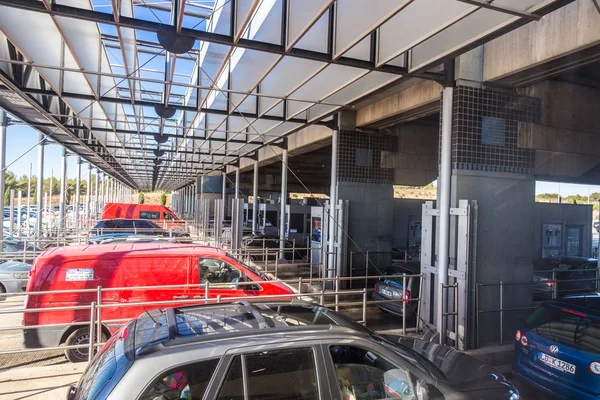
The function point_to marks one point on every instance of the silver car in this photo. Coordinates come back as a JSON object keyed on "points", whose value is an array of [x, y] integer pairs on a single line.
{"points": [[13, 276], [277, 351]]}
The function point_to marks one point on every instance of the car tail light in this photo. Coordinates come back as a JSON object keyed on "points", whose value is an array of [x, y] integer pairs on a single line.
{"points": [[594, 367], [524, 341], [549, 283], [518, 336], [375, 288], [407, 294]]}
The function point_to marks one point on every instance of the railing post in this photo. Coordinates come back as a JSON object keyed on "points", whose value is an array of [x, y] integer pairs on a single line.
{"points": [[337, 290], [404, 299], [92, 325], [218, 298], [364, 316], [554, 285], [276, 267], [366, 268], [99, 313], [300, 285], [501, 313], [477, 312], [323, 294], [206, 287]]}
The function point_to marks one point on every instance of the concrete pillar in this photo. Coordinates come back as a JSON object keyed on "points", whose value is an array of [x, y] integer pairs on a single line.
{"points": [[255, 198], [77, 192], [282, 216], [63, 189], [3, 127], [40, 187]]}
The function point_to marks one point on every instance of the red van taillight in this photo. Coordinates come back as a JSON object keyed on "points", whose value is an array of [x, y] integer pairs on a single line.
{"points": [[407, 294], [594, 367], [123, 333]]}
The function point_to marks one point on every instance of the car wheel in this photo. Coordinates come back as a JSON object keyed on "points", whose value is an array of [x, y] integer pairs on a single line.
{"points": [[2, 291], [78, 337]]}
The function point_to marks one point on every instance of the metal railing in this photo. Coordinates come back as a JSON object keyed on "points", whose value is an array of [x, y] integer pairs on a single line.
{"points": [[354, 299], [540, 291]]}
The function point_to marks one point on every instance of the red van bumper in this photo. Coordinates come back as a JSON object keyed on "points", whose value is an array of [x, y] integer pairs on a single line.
{"points": [[36, 338]]}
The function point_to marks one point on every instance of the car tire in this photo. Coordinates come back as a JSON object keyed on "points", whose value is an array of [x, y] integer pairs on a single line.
{"points": [[2, 291], [79, 336]]}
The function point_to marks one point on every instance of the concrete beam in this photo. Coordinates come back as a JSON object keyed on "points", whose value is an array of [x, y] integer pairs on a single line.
{"points": [[569, 29], [567, 105], [550, 138], [563, 165], [307, 139], [425, 94]]}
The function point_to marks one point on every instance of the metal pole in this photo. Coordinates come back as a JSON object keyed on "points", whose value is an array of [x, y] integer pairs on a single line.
{"points": [[224, 192], [77, 192], [19, 205], [29, 200], [332, 203], [3, 128], [237, 183], [63, 190], [444, 206], [282, 217], [49, 203], [501, 313], [88, 195], [11, 205], [95, 208], [255, 198], [40, 186]]}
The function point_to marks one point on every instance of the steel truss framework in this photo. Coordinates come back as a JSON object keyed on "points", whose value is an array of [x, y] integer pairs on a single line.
{"points": [[156, 93]]}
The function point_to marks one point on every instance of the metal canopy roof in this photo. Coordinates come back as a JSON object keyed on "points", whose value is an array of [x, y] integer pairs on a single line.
{"points": [[236, 75]]}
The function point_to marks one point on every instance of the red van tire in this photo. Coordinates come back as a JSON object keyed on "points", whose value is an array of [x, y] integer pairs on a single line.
{"points": [[79, 336]]}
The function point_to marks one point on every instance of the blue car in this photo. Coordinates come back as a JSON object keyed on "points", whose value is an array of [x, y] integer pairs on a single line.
{"points": [[558, 350]]}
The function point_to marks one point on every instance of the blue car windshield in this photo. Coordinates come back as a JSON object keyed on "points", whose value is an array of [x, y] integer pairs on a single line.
{"points": [[562, 325]]}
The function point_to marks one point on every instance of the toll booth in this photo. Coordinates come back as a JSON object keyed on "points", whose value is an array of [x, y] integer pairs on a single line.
{"points": [[268, 218], [298, 220], [563, 230], [248, 207], [316, 234]]}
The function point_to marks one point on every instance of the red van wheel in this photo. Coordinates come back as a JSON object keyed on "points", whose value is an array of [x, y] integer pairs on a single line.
{"points": [[79, 337]]}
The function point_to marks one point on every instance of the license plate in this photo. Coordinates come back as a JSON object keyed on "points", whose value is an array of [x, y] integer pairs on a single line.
{"points": [[387, 293], [557, 364]]}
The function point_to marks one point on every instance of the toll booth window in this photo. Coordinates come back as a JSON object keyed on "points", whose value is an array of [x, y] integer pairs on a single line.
{"points": [[492, 131], [150, 214], [297, 223], [271, 219]]}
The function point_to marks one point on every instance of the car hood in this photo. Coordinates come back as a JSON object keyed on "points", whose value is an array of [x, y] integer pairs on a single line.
{"points": [[463, 373], [12, 266]]}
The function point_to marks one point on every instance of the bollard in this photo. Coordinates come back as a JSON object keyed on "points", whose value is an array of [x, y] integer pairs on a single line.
{"points": [[91, 329], [364, 316], [404, 304], [99, 313]]}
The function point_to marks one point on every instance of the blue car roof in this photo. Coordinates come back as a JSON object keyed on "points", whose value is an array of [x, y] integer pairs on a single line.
{"points": [[588, 303]]}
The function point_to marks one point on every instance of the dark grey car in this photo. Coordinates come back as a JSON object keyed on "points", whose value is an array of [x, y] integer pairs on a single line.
{"points": [[564, 276], [391, 292], [276, 350]]}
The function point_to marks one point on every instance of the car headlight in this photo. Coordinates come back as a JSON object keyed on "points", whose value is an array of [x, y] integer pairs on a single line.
{"points": [[21, 275]]}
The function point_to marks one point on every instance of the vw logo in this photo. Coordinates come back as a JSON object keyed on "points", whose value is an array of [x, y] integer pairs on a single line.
{"points": [[554, 349]]}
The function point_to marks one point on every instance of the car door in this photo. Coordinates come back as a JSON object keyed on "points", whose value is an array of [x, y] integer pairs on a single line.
{"points": [[221, 277]]}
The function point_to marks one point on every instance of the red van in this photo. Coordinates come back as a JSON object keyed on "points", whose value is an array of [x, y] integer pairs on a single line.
{"points": [[160, 215], [121, 267]]}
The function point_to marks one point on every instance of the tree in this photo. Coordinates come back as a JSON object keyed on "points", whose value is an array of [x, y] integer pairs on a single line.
{"points": [[68, 195], [7, 197], [141, 198], [163, 199]]}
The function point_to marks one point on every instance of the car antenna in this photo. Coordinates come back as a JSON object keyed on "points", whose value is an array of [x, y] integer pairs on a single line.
{"points": [[149, 315]]}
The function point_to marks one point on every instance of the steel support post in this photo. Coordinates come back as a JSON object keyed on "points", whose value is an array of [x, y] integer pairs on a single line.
{"points": [[50, 186], [333, 223], [282, 217], [3, 128], [224, 190], [63, 190], [19, 213], [40, 187], [444, 196], [96, 194], [77, 192], [88, 195], [255, 198], [237, 183], [11, 213], [29, 199]]}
